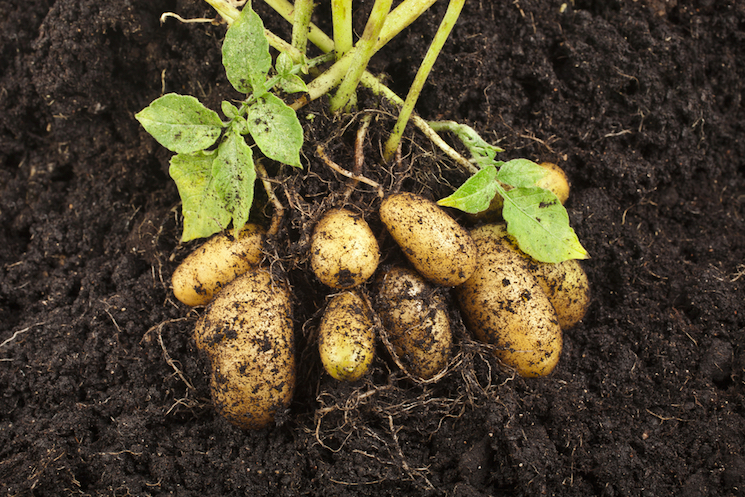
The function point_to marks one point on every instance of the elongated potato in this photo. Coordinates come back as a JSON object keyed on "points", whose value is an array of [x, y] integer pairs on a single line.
{"points": [[415, 316], [343, 251], [565, 283], [216, 263], [247, 334], [503, 304], [346, 340], [439, 248]]}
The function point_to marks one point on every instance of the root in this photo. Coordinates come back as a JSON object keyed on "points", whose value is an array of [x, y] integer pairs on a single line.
{"points": [[357, 177]]}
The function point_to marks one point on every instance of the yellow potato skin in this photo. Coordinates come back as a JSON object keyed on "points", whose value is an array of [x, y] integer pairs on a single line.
{"points": [[346, 341], [344, 252], [415, 315], [556, 180], [566, 283], [247, 333], [503, 304], [216, 263], [439, 248]]}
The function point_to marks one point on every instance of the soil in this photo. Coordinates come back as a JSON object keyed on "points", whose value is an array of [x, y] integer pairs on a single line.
{"points": [[104, 392]]}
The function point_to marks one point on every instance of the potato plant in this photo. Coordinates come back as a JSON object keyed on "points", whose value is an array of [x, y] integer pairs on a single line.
{"points": [[511, 281]]}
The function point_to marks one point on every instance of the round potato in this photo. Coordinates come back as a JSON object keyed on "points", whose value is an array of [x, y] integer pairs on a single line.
{"points": [[415, 316], [556, 181], [346, 340], [216, 263], [503, 304], [565, 283], [343, 251], [247, 334], [439, 248]]}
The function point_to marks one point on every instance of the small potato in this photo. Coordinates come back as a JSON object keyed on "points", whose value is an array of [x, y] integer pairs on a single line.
{"points": [[415, 316], [247, 333], [346, 340], [439, 248], [503, 304], [556, 180], [343, 250], [565, 283], [216, 263]]}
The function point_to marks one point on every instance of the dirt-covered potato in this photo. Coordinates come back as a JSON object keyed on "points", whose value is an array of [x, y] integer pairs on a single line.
{"points": [[248, 336], [503, 304], [415, 316], [565, 283], [439, 248], [344, 251], [216, 263], [346, 340]]}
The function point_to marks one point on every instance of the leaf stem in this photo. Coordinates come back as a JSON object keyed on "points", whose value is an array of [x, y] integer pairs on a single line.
{"points": [[446, 26]]}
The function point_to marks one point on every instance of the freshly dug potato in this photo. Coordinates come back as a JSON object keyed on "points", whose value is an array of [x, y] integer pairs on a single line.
{"points": [[248, 336], [556, 180], [415, 316], [346, 340], [503, 304], [439, 248], [343, 251], [565, 283], [216, 263]]}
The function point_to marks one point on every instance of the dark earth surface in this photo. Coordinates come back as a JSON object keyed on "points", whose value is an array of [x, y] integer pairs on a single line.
{"points": [[104, 393]]}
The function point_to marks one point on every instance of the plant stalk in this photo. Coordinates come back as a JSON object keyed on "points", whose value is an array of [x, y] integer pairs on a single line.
{"points": [[300, 23], [364, 50], [446, 26], [341, 15]]}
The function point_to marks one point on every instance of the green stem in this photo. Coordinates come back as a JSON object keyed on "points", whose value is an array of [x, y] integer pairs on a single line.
{"points": [[364, 50], [300, 23], [446, 26], [341, 15]]}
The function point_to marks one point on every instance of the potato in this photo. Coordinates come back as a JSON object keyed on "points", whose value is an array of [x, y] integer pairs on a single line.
{"points": [[565, 283], [346, 340], [216, 263], [415, 316], [503, 304], [247, 333], [343, 251], [556, 180], [439, 248]]}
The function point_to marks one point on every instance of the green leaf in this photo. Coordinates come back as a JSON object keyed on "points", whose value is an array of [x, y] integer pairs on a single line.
{"points": [[521, 173], [276, 129], [540, 224], [476, 193], [292, 84], [230, 110], [284, 64], [234, 175], [201, 204], [180, 123], [245, 53]]}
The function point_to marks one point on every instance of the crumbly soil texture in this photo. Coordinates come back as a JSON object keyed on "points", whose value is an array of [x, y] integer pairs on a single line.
{"points": [[103, 391]]}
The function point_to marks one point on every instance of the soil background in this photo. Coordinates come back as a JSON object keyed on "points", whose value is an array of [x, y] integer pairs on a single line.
{"points": [[104, 393]]}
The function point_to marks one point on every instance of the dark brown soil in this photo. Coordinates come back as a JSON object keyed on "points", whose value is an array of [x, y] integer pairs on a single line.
{"points": [[103, 392]]}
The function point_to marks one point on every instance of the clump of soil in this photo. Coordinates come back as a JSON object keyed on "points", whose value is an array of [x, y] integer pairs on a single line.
{"points": [[103, 391]]}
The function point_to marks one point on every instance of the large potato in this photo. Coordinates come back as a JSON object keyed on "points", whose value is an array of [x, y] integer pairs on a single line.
{"points": [[565, 283], [343, 251], [216, 263], [247, 334], [503, 304], [415, 316], [346, 340], [439, 248]]}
